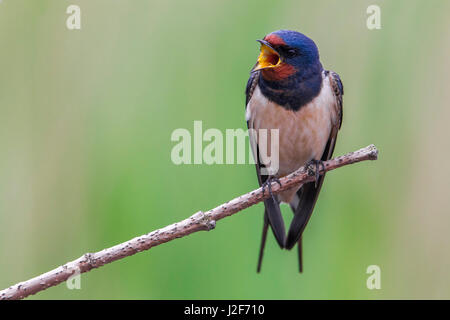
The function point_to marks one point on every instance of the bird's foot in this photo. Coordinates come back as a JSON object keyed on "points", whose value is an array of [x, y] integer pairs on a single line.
{"points": [[268, 184], [313, 167]]}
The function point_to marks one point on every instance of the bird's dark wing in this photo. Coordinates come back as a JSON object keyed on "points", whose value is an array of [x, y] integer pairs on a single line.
{"points": [[272, 213], [251, 86], [308, 193]]}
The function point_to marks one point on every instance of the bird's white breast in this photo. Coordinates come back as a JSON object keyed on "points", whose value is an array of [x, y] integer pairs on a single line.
{"points": [[303, 134]]}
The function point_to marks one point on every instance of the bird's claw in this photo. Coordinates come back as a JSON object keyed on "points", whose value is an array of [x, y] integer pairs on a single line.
{"points": [[268, 184], [313, 169]]}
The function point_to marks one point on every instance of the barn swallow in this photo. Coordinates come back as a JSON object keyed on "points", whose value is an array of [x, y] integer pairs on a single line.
{"points": [[289, 90]]}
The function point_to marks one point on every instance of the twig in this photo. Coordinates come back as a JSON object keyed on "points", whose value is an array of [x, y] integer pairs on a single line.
{"points": [[197, 222]]}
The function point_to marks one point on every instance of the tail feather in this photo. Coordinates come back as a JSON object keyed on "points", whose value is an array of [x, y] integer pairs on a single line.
{"points": [[308, 197], [300, 255], [275, 220], [263, 241], [294, 204]]}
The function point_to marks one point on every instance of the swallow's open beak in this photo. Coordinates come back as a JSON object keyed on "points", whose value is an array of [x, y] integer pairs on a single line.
{"points": [[268, 58]]}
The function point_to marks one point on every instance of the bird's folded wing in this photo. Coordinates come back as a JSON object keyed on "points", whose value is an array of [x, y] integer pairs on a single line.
{"points": [[308, 193], [272, 205]]}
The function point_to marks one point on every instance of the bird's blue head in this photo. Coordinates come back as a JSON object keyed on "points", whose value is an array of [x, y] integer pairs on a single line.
{"points": [[290, 68], [285, 53]]}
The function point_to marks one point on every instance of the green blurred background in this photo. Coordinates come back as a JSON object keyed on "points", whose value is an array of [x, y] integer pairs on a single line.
{"points": [[85, 123]]}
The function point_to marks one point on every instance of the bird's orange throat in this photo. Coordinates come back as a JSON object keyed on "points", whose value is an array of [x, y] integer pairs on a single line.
{"points": [[281, 72]]}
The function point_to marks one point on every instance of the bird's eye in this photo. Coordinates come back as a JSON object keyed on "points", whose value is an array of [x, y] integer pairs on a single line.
{"points": [[292, 52]]}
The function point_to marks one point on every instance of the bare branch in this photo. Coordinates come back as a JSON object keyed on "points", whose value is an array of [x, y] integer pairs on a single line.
{"points": [[197, 222]]}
